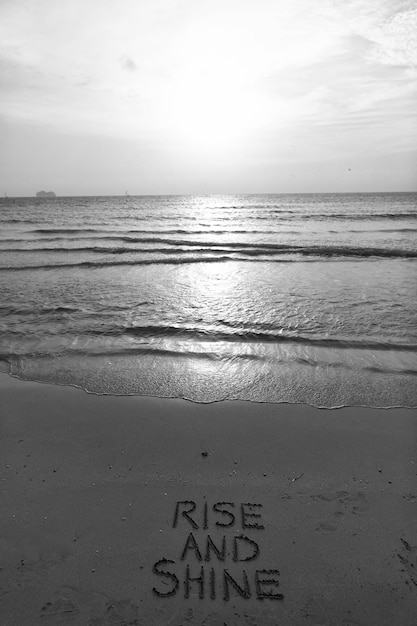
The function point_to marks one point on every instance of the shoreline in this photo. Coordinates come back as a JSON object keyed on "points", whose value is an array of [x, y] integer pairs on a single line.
{"points": [[202, 402], [91, 485], [295, 383]]}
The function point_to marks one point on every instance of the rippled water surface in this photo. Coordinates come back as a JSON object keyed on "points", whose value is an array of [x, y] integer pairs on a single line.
{"points": [[299, 298]]}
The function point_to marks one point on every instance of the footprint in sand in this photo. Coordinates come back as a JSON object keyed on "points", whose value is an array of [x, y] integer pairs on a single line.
{"points": [[327, 527], [58, 610], [73, 606], [330, 496], [355, 502], [408, 558], [410, 497], [123, 613]]}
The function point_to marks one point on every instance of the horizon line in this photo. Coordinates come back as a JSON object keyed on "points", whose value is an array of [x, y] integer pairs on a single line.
{"points": [[179, 195]]}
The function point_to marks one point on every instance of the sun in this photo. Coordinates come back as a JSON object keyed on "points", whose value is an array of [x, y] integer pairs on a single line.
{"points": [[208, 116], [217, 98], [217, 114]]}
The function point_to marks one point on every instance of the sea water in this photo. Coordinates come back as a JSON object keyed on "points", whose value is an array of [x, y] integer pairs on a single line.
{"points": [[272, 298]]}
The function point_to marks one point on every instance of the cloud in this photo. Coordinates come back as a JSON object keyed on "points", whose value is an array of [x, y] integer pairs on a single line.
{"points": [[389, 25], [337, 72], [396, 40]]}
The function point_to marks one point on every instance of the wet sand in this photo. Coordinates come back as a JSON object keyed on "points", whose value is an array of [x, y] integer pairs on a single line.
{"points": [[135, 510]]}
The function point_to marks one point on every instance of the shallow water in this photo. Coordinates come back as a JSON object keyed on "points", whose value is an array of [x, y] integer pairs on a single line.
{"points": [[297, 298]]}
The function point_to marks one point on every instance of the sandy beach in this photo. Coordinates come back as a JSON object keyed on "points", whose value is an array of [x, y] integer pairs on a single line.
{"points": [[137, 510]]}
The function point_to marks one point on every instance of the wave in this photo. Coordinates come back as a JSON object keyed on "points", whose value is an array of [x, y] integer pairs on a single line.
{"points": [[100, 264], [127, 235], [223, 330], [16, 220], [195, 350], [215, 252], [272, 214], [140, 235], [378, 230], [64, 230], [183, 248], [11, 358], [10, 310], [129, 352], [198, 334], [271, 248], [357, 216]]}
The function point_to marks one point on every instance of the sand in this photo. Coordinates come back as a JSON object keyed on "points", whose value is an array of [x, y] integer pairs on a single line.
{"points": [[110, 506]]}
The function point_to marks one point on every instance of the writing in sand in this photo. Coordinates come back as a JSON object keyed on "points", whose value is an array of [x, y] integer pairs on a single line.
{"points": [[203, 564]]}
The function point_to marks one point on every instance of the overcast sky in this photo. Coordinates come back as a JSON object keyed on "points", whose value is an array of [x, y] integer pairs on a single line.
{"points": [[207, 96]]}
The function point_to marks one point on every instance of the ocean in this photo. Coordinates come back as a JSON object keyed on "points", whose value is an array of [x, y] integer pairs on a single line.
{"points": [[300, 298]]}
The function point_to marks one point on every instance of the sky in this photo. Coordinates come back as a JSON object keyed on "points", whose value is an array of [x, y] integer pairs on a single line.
{"points": [[100, 97]]}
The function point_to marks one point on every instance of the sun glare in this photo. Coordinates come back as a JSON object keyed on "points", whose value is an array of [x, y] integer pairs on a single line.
{"points": [[210, 117]]}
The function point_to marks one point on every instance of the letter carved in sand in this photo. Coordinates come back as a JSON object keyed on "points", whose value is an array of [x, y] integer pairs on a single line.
{"points": [[216, 557]]}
